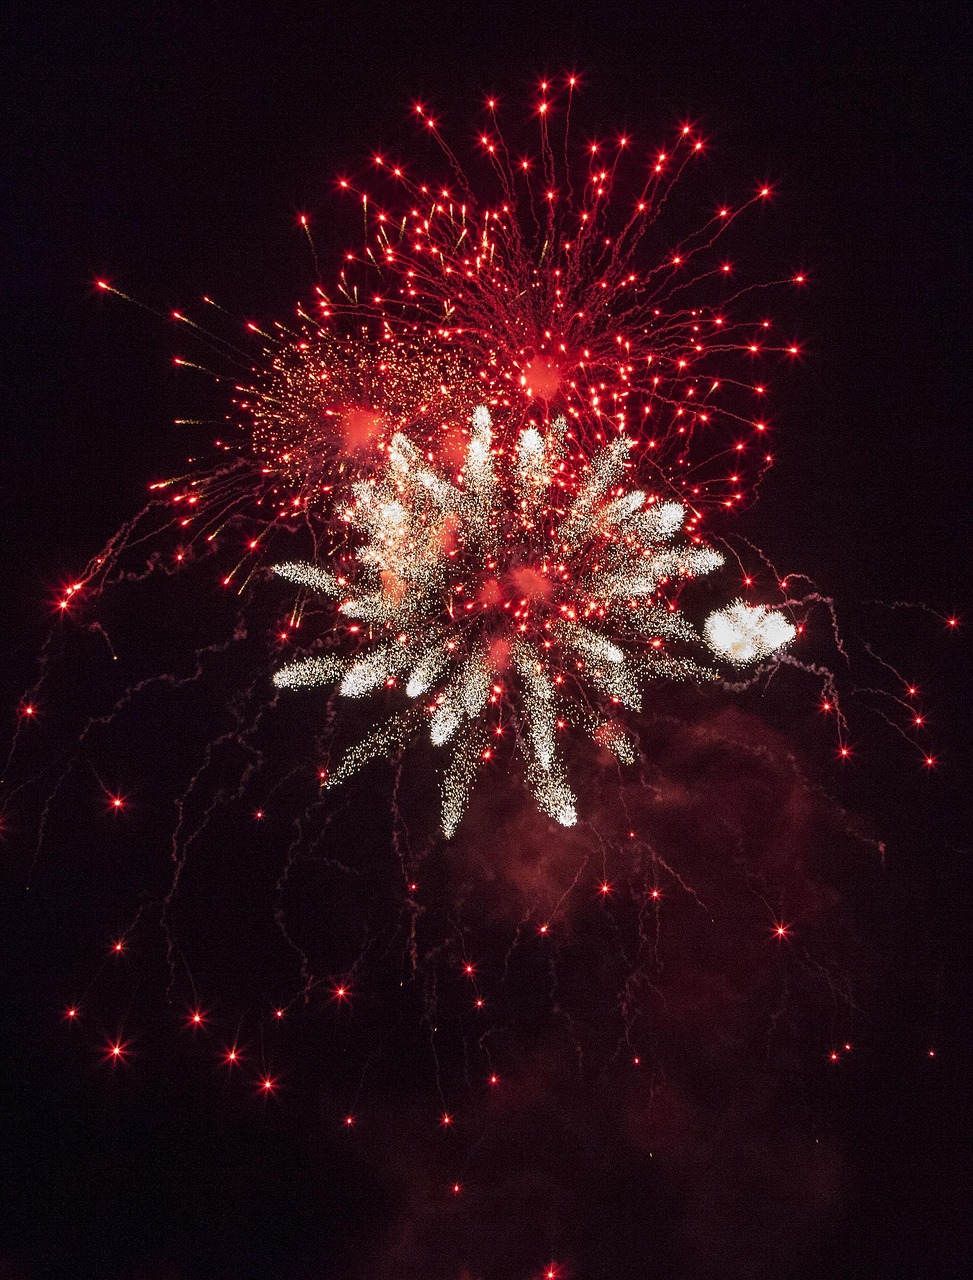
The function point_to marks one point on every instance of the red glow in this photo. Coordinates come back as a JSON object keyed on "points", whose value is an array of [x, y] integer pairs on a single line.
{"points": [[362, 427], [542, 377]]}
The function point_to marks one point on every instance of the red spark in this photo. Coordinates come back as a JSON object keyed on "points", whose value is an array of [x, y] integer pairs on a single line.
{"points": [[115, 1051]]}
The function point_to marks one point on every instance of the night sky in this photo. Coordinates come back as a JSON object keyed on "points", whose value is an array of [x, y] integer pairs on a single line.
{"points": [[169, 148]]}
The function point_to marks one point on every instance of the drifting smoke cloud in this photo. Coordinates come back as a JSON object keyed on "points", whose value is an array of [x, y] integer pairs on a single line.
{"points": [[656, 1057]]}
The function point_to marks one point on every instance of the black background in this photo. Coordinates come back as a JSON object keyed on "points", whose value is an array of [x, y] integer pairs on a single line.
{"points": [[169, 148]]}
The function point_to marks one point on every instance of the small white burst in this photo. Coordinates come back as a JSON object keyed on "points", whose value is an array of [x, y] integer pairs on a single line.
{"points": [[744, 633]]}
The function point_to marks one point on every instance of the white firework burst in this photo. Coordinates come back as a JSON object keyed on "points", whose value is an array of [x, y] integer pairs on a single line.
{"points": [[523, 591]]}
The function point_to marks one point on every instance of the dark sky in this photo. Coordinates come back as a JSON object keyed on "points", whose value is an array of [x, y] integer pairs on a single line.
{"points": [[169, 148]]}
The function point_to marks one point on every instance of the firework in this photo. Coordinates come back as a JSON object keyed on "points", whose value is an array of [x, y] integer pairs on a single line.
{"points": [[743, 633], [542, 276], [525, 593], [540, 281]]}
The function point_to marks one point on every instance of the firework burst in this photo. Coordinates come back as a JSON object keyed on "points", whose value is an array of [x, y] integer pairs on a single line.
{"points": [[525, 592]]}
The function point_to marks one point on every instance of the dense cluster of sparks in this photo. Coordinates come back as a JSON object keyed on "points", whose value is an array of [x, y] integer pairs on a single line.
{"points": [[503, 427], [520, 575], [526, 589], [539, 290]]}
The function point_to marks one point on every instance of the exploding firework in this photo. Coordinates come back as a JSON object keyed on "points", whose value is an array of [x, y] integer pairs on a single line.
{"points": [[490, 463], [524, 594], [543, 288], [558, 295]]}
